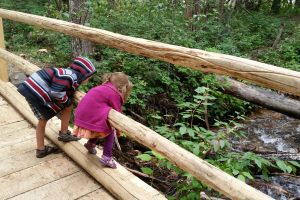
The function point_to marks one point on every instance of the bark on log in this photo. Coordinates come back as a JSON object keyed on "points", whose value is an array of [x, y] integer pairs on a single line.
{"points": [[263, 74], [262, 97], [121, 183], [203, 171]]}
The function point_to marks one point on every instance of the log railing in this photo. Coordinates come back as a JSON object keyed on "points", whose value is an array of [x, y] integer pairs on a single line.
{"points": [[208, 62], [3, 67], [270, 76]]}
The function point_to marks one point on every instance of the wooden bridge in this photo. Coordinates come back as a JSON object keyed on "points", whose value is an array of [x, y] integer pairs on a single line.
{"points": [[57, 176], [74, 174]]}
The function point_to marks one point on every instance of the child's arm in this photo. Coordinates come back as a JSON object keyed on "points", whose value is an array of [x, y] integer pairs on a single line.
{"points": [[60, 89], [61, 97], [116, 104]]}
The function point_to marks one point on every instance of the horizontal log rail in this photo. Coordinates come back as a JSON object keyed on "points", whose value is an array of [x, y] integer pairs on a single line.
{"points": [[202, 170], [266, 75]]}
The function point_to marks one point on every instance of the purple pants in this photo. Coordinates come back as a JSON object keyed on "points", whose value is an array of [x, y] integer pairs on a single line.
{"points": [[108, 144]]}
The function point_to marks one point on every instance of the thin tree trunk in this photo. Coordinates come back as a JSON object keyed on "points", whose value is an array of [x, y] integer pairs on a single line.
{"points": [[79, 13], [297, 3], [276, 4], [112, 4], [221, 9], [188, 12], [275, 43]]}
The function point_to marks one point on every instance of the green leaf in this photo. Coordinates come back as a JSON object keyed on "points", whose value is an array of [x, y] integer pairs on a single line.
{"points": [[265, 174], [248, 175], [281, 164], [258, 163], [216, 145], [182, 130], [144, 157], [186, 116], [242, 178], [200, 90], [295, 163], [222, 143], [289, 169], [147, 170], [235, 172], [196, 149], [191, 132], [157, 155], [156, 117]]}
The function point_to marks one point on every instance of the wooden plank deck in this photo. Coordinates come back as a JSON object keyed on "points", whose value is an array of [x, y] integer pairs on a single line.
{"points": [[23, 176]]}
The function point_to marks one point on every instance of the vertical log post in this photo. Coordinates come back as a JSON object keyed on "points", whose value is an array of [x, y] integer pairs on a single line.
{"points": [[3, 65]]}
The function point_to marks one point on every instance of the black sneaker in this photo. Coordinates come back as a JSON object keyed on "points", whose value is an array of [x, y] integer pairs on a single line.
{"points": [[67, 137]]}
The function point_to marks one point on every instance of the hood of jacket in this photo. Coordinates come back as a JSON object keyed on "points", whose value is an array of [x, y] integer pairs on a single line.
{"points": [[83, 67]]}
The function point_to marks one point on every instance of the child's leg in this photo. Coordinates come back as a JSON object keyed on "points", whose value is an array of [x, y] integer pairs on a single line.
{"points": [[43, 150], [91, 145], [108, 145], [65, 118], [64, 133], [93, 140], [107, 151], [40, 134]]}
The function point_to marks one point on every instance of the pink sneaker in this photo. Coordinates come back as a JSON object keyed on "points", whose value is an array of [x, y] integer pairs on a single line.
{"points": [[108, 161], [91, 148]]}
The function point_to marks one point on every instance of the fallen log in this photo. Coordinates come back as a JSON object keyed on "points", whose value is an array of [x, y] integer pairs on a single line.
{"points": [[262, 97], [282, 156]]}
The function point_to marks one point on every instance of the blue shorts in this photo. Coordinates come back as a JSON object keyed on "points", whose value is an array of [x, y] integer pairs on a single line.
{"points": [[39, 109]]}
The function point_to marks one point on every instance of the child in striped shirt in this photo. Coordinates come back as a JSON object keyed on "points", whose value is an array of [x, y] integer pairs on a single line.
{"points": [[49, 92]]}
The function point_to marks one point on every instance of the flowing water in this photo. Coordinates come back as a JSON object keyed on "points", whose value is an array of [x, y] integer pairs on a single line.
{"points": [[273, 133]]}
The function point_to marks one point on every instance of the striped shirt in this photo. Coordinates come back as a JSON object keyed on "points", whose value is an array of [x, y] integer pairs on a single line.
{"points": [[53, 87]]}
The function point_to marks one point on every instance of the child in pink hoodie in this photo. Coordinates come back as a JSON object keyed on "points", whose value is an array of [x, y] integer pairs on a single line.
{"points": [[91, 116]]}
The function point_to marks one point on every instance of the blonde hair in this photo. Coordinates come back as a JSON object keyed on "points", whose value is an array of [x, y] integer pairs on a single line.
{"points": [[121, 81]]}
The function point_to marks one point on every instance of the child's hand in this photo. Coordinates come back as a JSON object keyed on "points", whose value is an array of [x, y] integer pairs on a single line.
{"points": [[118, 133]]}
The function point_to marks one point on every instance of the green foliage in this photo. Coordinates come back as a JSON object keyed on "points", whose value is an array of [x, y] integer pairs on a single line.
{"points": [[165, 94], [202, 142]]}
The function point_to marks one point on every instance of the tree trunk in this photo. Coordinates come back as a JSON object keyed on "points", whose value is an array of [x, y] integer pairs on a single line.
{"points": [[112, 4], [79, 12], [192, 9], [276, 41], [221, 9], [196, 7], [276, 4], [297, 3], [261, 97], [188, 12]]}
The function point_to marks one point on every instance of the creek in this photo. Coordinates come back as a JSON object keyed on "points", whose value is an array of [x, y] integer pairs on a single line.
{"points": [[272, 133]]}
